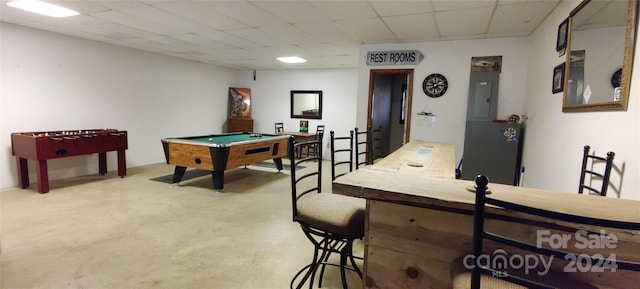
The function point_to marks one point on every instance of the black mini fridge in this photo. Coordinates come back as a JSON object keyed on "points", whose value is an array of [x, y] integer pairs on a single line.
{"points": [[493, 149]]}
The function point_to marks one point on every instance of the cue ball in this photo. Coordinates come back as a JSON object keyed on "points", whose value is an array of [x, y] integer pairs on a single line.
{"points": [[210, 139]]}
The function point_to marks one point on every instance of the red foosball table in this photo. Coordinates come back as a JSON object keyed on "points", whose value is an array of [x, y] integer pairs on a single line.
{"points": [[42, 146]]}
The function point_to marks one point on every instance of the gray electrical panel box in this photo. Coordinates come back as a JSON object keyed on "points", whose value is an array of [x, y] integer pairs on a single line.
{"points": [[482, 104]]}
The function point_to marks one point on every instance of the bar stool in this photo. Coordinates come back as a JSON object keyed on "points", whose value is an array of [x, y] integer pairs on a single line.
{"points": [[331, 222]]}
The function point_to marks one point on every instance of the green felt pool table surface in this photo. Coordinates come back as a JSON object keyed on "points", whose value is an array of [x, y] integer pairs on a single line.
{"points": [[226, 138]]}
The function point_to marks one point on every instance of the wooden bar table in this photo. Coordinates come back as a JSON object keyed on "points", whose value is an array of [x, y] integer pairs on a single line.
{"points": [[419, 218]]}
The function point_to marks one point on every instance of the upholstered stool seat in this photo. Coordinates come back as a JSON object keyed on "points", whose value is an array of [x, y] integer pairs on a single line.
{"points": [[333, 213], [461, 278]]}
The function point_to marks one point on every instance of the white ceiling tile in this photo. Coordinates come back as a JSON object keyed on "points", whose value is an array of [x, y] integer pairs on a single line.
{"points": [[118, 5], [118, 31], [197, 12], [293, 11], [340, 10], [413, 26], [155, 15], [199, 40], [325, 32], [136, 22], [368, 30], [520, 18], [245, 12], [331, 49], [256, 35], [395, 8], [229, 39], [447, 5], [289, 34], [458, 23]]}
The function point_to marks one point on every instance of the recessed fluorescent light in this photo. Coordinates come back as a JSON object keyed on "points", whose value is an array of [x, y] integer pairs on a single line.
{"points": [[292, 59], [43, 8]]}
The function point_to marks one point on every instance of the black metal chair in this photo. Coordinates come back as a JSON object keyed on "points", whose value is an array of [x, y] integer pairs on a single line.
{"points": [[376, 143], [331, 222], [482, 275], [313, 149], [363, 147], [339, 150], [589, 163]]}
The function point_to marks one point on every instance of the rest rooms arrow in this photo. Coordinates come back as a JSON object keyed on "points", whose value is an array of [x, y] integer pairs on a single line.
{"points": [[398, 57]]}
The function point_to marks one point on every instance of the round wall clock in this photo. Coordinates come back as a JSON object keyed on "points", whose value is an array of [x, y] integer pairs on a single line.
{"points": [[616, 78], [435, 85]]}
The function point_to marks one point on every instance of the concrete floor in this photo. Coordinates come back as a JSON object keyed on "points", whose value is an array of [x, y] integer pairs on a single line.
{"points": [[111, 232]]}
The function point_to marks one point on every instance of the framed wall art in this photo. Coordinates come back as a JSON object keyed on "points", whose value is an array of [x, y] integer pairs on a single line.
{"points": [[558, 78], [239, 102], [563, 31]]}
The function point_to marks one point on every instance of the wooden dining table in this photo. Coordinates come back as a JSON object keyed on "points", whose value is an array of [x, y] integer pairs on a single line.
{"points": [[419, 218], [301, 137]]}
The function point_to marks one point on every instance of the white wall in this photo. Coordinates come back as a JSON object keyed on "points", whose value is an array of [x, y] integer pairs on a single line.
{"points": [[554, 140], [453, 60], [55, 82], [270, 98]]}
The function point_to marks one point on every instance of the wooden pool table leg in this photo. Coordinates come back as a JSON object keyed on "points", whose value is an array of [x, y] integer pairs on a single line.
{"points": [[218, 180]]}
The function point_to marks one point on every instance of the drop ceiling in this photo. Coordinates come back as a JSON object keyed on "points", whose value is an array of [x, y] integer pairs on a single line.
{"points": [[244, 34]]}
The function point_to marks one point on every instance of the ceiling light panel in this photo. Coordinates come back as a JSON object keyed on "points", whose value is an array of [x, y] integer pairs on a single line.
{"points": [[43, 8]]}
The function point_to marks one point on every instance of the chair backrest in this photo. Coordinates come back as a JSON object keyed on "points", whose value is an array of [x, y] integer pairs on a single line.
{"points": [[589, 163], [376, 143], [341, 148], [319, 130], [596, 228], [311, 180], [363, 147], [279, 128]]}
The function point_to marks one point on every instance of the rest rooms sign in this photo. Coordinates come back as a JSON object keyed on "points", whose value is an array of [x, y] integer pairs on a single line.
{"points": [[400, 57]]}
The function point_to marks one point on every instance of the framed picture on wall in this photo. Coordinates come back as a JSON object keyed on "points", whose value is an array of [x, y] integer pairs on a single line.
{"points": [[561, 42], [239, 102], [558, 78]]}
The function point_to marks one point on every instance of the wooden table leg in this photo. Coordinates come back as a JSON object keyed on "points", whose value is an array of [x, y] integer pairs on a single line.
{"points": [[43, 177], [122, 164], [102, 163], [23, 172]]}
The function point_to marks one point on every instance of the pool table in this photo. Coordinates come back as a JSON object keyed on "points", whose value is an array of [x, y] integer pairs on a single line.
{"points": [[219, 152]]}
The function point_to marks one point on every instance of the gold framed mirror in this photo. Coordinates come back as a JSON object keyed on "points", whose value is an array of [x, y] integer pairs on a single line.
{"points": [[599, 55]]}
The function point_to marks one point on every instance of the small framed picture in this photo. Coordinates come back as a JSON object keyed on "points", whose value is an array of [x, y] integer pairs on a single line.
{"points": [[563, 30], [558, 78]]}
